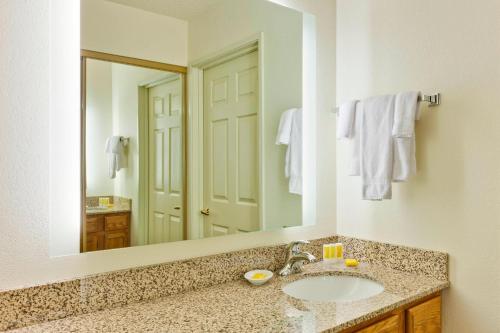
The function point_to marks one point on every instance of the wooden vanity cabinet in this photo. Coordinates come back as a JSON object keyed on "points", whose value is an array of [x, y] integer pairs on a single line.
{"points": [[107, 231], [393, 324], [423, 316]]}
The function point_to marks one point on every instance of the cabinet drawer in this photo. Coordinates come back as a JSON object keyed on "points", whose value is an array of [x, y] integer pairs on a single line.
{"points": [[116, 239], [425, 317], [116, 222], [94, 223], [392, 324]]}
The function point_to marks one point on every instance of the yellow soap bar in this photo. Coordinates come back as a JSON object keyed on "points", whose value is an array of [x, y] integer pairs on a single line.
{"points": [[351, 262], [258, 276]]}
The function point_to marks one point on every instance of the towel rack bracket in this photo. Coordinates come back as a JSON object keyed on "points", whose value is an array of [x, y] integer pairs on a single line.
{"points": [[433, 100]]}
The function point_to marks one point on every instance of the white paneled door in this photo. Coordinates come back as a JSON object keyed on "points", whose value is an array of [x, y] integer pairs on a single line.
{"points": [[231, 147], [165, 162]]}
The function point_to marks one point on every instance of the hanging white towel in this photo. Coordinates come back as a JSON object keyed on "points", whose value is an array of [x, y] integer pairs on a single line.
{"points": [[377, 118], [290, 133], [114, 150], [406, 112], [345, 120], [354, 142]]}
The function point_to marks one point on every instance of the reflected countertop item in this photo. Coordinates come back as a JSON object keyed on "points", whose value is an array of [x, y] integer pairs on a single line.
{"points": [[240, 307]]}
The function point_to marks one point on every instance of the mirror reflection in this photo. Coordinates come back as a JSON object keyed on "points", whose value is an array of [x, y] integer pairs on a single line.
{"points": [[175, 152]]}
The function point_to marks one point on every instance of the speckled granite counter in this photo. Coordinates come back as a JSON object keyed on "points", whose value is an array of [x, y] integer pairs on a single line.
{"points": [[239, 307], [118, 205], [110, 210]]}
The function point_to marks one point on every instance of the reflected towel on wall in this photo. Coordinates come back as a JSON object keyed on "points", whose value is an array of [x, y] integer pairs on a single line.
{"points": [[345, 120], [114, 150], [290, 133]]}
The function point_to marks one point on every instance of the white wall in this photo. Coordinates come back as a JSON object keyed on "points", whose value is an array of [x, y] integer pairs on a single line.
{"points": [[453, 204], [24, 71], [132, 31], [232, 22], [99, 127]]}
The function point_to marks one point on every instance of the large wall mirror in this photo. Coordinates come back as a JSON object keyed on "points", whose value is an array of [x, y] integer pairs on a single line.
{"points": [[203, 140]]}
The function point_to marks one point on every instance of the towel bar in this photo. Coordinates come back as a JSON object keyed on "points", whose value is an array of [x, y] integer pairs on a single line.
{"points": [[433, 100]]}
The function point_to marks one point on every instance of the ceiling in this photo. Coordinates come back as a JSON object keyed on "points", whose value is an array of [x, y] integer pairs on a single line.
{"points": [[181, 9]]}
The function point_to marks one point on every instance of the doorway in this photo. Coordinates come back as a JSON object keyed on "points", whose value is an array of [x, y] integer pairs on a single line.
{"points": [[165, 161], [225, 153]]}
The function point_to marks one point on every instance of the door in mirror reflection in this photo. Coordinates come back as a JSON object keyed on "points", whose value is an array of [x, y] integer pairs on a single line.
{"points": [[165, 202], [231, 147]]}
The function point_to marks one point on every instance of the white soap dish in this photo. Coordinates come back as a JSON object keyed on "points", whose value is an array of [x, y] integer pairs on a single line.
{"points": [[258, 277]]}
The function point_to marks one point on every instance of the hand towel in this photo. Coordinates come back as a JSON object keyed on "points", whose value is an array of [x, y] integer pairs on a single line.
{"points": [[114, 150], [406, 112], [290, 133], [355, 143], [345, 120], [285, 127], [377, 118]]}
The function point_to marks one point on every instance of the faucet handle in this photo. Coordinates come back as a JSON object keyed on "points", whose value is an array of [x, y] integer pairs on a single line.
{"points": [[294, 247]]}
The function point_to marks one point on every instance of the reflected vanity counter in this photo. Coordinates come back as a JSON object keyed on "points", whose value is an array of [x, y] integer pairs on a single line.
{"points": [[117, 205], [106, 227], [209, 295]]}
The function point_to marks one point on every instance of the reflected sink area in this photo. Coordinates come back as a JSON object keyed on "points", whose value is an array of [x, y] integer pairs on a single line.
{"points": [[334, 288]]}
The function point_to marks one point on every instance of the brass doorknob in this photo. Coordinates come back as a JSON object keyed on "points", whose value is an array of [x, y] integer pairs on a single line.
{"points": [[205, 211]]}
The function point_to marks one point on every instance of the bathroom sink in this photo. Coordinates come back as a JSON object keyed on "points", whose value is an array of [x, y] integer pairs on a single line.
{"points": [[335, 288]]}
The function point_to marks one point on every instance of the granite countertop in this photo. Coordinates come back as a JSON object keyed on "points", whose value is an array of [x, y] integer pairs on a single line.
{"points": [[240, 307], [110, 210]]}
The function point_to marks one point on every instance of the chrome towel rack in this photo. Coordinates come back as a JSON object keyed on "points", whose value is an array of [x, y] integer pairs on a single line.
{"points": [[433, 100]]}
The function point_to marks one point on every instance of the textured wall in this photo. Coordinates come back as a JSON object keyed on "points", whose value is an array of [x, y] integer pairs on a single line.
{"points": [[24, 134], [453, 204]]}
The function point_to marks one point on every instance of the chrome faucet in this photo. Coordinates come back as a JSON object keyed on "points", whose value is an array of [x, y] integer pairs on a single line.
{"points": [[295, 258]]}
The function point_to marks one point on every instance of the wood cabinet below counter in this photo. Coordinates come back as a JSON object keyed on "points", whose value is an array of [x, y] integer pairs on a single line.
{"points": [[423, 316], [106, 231]]}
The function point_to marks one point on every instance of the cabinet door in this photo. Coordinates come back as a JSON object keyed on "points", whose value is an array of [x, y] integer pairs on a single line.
{"points": [[94, 223], [116, 222], [116, 239], [425, 317], [95, 241], [392, 324]]}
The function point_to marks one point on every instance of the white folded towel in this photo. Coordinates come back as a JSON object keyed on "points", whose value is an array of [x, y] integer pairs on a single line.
{"points": [[406, 111], [377, 118], [290, 133], [355, 143], [345, 120], [114, 150]]}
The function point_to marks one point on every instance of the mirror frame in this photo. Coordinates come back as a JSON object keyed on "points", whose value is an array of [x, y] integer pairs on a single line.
{"points": [[95, 55]]}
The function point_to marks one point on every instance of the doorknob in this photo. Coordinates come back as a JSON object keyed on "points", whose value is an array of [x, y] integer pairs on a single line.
{"points": [[205, 211]]}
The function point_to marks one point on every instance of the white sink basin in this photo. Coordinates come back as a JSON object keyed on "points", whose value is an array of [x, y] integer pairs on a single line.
{"points": [[338, 288]]}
